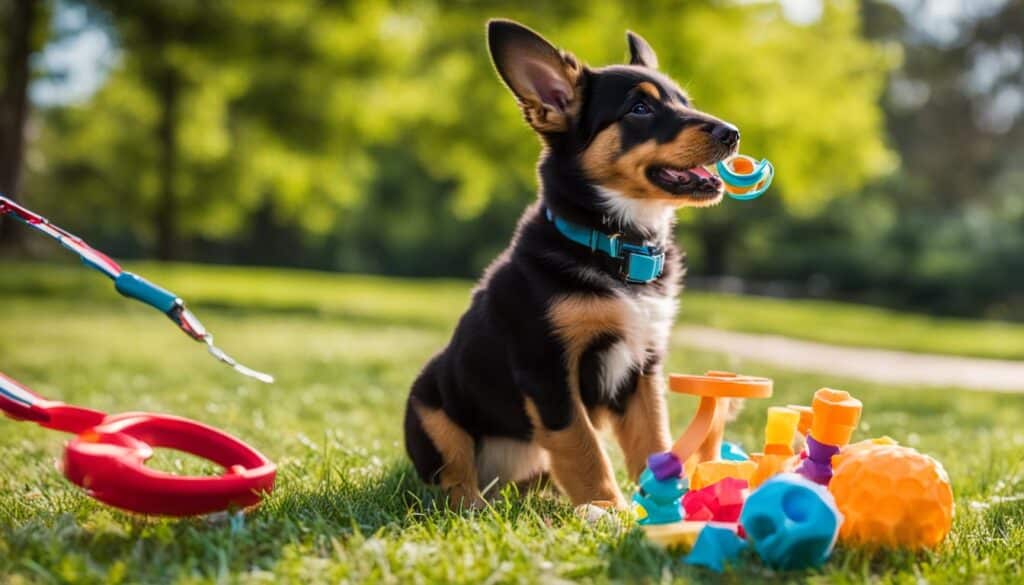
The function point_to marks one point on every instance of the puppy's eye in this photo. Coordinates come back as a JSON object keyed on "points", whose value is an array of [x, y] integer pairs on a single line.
{"points": [[641, 109]]}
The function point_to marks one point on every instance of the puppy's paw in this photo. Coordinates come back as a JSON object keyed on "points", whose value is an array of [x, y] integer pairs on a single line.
{"points": [[464, 497]]}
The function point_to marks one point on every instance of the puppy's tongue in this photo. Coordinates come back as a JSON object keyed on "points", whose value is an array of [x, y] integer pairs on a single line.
{"points": [[701, 172]]}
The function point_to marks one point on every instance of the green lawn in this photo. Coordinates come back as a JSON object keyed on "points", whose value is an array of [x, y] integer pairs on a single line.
{"points": [[374, 299], [346, 508]]}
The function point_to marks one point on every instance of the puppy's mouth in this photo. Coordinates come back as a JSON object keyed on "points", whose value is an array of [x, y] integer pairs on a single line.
{"points": [[696, 182]]}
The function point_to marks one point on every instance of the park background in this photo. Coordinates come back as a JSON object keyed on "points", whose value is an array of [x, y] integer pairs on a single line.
{"points": [[322, 180], [374, 137]]}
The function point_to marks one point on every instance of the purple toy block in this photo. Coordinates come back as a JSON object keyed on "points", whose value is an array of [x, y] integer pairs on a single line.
{"points": [[818, 465], [665, 465]]}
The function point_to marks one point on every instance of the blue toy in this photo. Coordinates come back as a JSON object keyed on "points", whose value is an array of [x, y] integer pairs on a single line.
{"points": [[733, 452], [658, 500], [716, 546], [791, 522], [745, 178]]}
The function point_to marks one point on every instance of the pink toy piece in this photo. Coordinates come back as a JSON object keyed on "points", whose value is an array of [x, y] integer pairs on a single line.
{"points": [[719, 502]]}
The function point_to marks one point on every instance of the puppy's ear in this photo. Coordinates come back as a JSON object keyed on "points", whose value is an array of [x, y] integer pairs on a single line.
{"points": [[640, 51], [545, 81]]}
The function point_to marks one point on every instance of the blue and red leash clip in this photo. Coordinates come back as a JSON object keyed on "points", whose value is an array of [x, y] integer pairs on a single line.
{"points": [[130, 285]]}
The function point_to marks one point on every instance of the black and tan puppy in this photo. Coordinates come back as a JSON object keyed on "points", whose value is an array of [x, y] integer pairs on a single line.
{"points": [[568, 328]]}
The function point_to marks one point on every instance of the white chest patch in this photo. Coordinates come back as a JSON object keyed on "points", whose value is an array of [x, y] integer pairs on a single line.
{"points": [[647, 327]]}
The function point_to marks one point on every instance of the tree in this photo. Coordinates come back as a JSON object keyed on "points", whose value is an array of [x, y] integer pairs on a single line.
{"points": [[22, 18], [311, 115]]}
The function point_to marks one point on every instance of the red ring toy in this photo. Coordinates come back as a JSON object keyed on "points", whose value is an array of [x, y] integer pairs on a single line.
{"points": [[108, 454]]}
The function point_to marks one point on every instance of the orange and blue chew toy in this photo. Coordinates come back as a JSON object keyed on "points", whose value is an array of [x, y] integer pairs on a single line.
{"points": [[745, 178]]}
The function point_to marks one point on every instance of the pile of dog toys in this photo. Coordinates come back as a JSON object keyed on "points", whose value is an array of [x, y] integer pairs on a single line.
{"points": [[790, 503]]}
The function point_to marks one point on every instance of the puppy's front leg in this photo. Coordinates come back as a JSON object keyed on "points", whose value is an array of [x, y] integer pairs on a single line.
{"points": [[642, 425], [578, 463]]}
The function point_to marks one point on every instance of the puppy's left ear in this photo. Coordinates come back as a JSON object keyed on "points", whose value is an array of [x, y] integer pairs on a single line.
{"points": [[640, 51], [545, 81]]}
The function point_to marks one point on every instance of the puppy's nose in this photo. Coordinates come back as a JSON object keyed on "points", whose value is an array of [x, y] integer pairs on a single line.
{"points": [[725, 133]]}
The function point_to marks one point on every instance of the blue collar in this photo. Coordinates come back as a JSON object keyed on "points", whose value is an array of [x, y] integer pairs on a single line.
{"points": [[637, 264]]}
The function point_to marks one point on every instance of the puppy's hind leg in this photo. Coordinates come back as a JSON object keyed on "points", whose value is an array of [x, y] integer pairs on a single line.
{"points": [[443, 453]]}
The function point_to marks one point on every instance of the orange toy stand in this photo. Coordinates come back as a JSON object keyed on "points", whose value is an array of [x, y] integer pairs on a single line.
{"points": [[711, 387]]}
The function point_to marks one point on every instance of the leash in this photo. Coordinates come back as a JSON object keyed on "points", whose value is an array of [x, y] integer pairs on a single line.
{"points": [[131, 285]]}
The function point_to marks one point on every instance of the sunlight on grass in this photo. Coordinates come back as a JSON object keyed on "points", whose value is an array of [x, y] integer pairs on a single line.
{"points": [[347, 507], [432, 303]]}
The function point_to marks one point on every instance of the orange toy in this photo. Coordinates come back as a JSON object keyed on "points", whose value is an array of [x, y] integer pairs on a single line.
{"points": [[836, 415], [806, 418], [891, 496], [711, 387]]}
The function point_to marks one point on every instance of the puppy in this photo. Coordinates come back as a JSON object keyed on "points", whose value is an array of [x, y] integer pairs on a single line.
{"points": [[568, 327]]}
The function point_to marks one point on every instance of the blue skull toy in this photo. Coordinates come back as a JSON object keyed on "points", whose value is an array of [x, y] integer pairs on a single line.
{"points": [[791, 522]]}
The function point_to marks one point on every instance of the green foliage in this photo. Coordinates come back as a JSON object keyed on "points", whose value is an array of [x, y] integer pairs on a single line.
{"points": [[291, 108], [347, 507]]}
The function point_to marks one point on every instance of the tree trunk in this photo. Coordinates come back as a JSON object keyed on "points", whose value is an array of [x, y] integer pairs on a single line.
{"points": [[14, 108], [167, 228]]}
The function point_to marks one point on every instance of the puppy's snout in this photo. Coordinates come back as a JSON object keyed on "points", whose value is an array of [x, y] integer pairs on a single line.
{"points": [[724, 133]]}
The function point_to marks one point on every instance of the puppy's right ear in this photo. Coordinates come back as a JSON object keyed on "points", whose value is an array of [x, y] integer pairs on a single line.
{"points": [[545, 81]]}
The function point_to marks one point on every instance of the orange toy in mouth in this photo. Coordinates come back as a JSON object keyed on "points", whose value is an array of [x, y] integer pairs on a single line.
{"points": [[744, 177]]}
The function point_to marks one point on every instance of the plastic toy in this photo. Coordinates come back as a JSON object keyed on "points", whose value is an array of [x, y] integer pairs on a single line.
{"points": [[791, 522], [108, 454], [130, 285], [715, 547], [779, 434], [891, 496], [806, 418], [836, 415], [711, 472], [719, 502], [710, 388], [732, 452], [664, 469], [744, 177], [657, 500], [674, 536]]}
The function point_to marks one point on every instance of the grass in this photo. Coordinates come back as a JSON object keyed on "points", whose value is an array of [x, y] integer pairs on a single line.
{"points": [[346, 507], [373, 299]]}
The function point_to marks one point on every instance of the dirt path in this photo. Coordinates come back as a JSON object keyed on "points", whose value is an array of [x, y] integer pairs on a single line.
{"points": [[875, 365]]}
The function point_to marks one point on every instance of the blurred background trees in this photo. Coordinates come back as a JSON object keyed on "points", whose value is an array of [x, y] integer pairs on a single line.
{"points": [[375, 137]]}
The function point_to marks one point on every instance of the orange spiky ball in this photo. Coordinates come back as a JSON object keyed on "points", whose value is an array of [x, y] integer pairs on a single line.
{"points": [[891, 496]]}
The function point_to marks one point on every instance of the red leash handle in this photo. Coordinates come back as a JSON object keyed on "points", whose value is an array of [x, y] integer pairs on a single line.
{"points": [[108, 455], [109, 461]]}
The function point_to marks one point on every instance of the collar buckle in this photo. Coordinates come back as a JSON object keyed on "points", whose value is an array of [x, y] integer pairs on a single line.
{"points": [[641, 264]]}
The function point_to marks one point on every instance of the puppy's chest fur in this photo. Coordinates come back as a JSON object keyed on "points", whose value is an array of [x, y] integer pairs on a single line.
{"points": [[609, 339]]}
